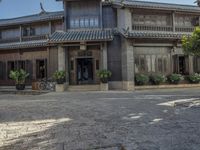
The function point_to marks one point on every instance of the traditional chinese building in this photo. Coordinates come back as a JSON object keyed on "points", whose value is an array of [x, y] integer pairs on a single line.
{"points": [[125, 37]]}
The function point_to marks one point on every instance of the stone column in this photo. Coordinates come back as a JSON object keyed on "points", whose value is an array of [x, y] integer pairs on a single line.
{"points": [[62, 66], [191, 65], [127, 65], [67, 65], [61, 58], [104, 56]]}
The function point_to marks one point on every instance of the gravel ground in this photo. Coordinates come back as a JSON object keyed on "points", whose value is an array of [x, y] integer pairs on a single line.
{"points": [[114, 120]]}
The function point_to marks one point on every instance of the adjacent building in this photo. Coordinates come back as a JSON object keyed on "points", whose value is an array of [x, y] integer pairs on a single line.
{"points": [[126, 37]]}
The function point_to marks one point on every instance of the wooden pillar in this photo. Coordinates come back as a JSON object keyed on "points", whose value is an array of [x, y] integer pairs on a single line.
{"points": [[61, 58], [21, 34], [101, 15], [34, 69], [50, 29], [104, 56], [173, 22]]}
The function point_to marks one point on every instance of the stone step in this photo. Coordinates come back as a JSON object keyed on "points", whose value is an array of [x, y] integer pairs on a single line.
{"points": [[13, 87], [79, 88]]}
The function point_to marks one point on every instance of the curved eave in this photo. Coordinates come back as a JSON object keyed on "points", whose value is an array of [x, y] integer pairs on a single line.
{"points": [[23, 45], [157, 6], [154, 35]]}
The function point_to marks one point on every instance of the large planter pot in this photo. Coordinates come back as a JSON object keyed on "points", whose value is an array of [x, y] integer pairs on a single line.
{"points": [[104, 87], [61, 87], [35, 85], [104, 80], [60, 81], [20, 87]]}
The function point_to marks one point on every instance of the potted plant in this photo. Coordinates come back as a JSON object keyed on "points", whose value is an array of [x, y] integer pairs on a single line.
{"points": [[141, 79], [104, 75], [60, 76], [175, 78], [194, 78], [157, 79], [19, 76]]}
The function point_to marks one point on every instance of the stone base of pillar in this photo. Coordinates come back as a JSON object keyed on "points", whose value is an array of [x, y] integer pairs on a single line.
{"points": [[104, 87], [61, 87], [128, 85]]}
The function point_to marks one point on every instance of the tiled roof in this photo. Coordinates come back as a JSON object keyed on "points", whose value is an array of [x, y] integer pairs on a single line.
{"points": [[159, 35], [45, 16], [84, 35], [156, 5], [28, 44]]}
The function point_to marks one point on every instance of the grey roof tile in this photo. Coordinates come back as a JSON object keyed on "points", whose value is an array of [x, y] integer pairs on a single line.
{"points": [[28, 44], [153, 34], [82, 35], [32, 18], [156, 5]]}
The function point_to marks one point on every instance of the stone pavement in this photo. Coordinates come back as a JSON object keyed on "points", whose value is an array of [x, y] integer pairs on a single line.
{"points": [[144, 120]]}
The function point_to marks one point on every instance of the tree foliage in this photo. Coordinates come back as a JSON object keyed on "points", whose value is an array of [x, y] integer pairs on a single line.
{"points": [[191, 45]]}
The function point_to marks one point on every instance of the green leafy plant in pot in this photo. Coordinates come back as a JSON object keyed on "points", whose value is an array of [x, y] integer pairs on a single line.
{"points": [[194, 78], [59, 76], [19, 76], [175, 78], [104, 75]]}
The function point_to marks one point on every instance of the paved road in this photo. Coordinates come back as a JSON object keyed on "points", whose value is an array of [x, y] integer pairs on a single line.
{"points": [[143, 120]]}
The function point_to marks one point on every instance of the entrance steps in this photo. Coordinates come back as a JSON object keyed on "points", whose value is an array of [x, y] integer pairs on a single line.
{"points": [[7, 88], [84, 88]]}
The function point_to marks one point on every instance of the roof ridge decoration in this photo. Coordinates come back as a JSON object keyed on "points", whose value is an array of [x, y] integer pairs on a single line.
{"points": [[198, 2], [43, 11]]}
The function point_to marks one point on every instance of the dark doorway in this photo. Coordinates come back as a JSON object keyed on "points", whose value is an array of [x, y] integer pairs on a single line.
{"points": [[182, 65], [84, 70], [41, 69]]}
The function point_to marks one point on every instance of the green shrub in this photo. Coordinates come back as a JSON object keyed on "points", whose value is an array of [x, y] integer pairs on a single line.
{"points": [[195, 78], [157, 79], [141, 79], [59, 76], [175, 78], [19, 76], [104, 75]]}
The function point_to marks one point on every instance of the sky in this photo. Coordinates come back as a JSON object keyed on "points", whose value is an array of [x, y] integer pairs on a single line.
{"points": [[17, 8]]}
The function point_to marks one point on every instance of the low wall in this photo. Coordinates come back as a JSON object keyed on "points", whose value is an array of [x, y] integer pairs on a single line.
{"points": [[169, 86]]}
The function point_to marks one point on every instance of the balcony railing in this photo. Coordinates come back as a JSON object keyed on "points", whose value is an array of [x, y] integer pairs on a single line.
{"points": [[152, 28], [35, 37], [162, 28], [10, 40], [23, 39], [184, 29]]}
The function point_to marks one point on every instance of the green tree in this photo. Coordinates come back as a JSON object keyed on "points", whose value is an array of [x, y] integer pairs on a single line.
{"points": [[191, 44]]}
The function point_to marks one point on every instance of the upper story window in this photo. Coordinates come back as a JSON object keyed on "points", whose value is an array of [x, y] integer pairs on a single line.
{"points": [[186, 20], [84, 22], [151, 19], [9, 33], [28, 31]]}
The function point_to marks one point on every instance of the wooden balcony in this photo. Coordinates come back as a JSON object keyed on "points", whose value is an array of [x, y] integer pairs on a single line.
{"points": [[152, 28], [23, 39], [161, 28], [10, 40], [184, 29], [33, 38]]}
